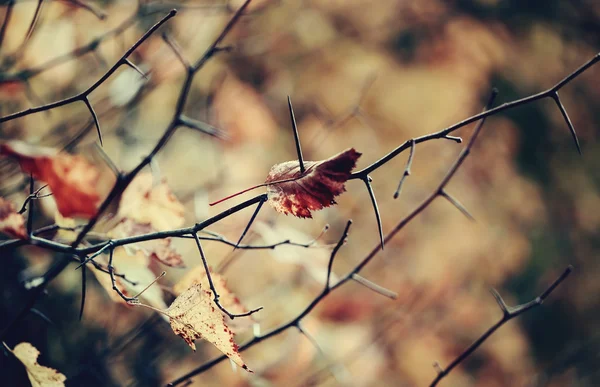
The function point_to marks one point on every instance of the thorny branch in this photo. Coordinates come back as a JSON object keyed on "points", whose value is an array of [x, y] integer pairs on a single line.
{"points": [[508, 313], [123, 180], [179, 119], [355, 271]]}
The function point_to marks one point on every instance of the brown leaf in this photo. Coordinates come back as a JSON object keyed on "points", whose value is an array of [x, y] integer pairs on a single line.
{"points": [[227, 298], [149, 203], [11, 222], [39, 376], [72, 179], [193, 315], [134, 266], [292, 192], [159, 249]]}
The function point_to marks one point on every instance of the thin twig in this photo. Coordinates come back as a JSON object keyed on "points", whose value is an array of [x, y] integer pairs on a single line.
{"points": [[368, 181], [212, 285], [444, 133], [252, 218], [407, 169], [357, 268]]}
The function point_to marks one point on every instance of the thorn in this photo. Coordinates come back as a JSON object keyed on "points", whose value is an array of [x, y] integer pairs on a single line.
{"points": [[254, 215], [407, 169], [94, 117], [296, 137], [368, 181], [565, 115], [457, 204], [374, 287]]}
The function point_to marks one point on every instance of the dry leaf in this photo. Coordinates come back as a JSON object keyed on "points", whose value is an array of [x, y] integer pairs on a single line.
{"points": [[193, 315], [39, 376], [11, 222], [149, 203], [227, 298], [316, 188], [159, 249], [72, 179], [135, 268]]}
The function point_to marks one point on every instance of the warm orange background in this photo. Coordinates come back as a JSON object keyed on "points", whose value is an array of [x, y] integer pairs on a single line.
{"points": [[362, 74]]}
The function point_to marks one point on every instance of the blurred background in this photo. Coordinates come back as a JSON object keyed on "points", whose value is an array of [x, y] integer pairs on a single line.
{"points": [[362, 74]]}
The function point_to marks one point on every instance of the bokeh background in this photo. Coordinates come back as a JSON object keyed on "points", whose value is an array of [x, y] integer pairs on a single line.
{"points": [[362, 74]]}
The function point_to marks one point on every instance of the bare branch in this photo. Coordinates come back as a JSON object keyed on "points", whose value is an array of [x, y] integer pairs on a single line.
{"points": [[407, 169], [456, 204], [368, 181], [254, 215], [212, 285], [507, 315]]}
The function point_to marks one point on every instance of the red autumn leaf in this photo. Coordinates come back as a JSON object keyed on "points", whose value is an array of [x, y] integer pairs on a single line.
{"points": [[72, 179], [292, 192], [11, 222]]}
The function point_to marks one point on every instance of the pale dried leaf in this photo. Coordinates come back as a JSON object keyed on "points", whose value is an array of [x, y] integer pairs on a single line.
{"points": [[149, 203], [227, 298], [159, 249], [39, 376], [194, 315], [134, 265]]}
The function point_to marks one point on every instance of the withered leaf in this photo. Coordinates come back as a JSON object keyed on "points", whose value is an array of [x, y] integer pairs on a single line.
{"points": [[227, 298], [72, 179], [193, 315], [39, 376], [148, 203], [158, 249], [11, 222], [291, 192], [134, 266]]}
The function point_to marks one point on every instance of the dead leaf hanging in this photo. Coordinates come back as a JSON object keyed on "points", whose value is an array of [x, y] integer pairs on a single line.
{"points": [[147, 201], [72, 179], [39, 376], [193, 315], [227, 298], [158, 249], [292, 192], [11, 222]]}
